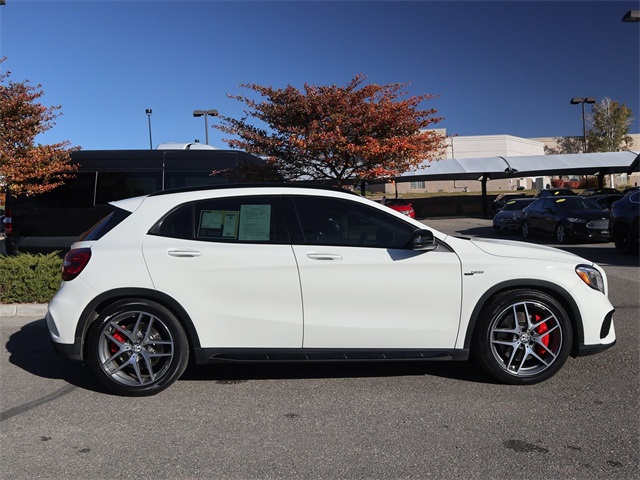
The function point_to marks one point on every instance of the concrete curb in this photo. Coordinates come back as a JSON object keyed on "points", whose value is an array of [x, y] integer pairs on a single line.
{"points": [[23, 310]]}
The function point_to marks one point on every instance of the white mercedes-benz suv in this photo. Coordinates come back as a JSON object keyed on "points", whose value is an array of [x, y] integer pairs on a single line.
{"points": [[259, 273]]}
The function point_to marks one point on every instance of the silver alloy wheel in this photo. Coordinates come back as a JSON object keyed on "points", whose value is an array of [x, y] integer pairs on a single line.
{"points": [[525, 230], [526, 338], [561, 235], [135, 348]]}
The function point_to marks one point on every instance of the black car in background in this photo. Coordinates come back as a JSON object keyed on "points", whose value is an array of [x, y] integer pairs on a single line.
{"points": [[554, 192], [566, 218], [509, 218], [605, 201], [502, 199], [623, 223], [588, 192]]}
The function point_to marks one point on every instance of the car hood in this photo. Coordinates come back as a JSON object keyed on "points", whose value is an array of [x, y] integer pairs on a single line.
{"points": [[586, 214], [513, 249]]}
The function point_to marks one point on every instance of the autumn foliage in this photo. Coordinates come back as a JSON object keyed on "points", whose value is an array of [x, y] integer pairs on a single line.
{"points": [[333, 133], [27, 168]]}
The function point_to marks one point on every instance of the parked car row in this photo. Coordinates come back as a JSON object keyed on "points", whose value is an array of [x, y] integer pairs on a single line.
{"points": [[597, 215]]}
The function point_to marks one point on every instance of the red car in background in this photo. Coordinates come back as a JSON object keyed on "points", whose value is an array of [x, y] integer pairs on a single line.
{"points": [[400, 205]]}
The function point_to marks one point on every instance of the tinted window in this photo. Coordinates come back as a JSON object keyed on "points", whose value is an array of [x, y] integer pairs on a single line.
{"points": [[191, 179], [115, 185], [396, 202], [330, 221], [235, 220], [576, 203], [105, 225]]}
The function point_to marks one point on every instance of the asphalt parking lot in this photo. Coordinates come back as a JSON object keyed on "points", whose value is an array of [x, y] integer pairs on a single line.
{"points": [[368, 420]]}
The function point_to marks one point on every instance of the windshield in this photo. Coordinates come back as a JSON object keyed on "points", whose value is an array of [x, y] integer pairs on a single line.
{"points": [[516, 205], [576, 203]]}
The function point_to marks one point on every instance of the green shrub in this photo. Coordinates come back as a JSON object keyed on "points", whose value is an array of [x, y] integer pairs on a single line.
{"points": [[27, 278]]}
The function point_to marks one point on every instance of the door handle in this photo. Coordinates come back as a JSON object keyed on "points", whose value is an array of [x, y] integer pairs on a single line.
{"points": [[174, 252], [323, 256]]}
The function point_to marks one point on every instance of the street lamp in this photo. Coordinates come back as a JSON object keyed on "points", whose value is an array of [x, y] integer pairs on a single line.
{"points": [[148, 111], [205, 114], [581, 100]]}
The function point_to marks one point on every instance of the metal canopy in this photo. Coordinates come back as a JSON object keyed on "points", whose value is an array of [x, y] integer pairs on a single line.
{"points": [[525, 166]]}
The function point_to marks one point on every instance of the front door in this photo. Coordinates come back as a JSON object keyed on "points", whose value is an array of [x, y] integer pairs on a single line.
{"points": [[363, 287]]}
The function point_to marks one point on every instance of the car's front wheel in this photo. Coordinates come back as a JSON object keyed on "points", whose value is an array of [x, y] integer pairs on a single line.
{"points": [[526, 230], [523, 337], [561, 233], [137, 348]]}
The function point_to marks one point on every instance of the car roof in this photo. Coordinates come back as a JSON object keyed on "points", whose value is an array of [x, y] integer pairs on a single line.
{"points": [[224, 186]]}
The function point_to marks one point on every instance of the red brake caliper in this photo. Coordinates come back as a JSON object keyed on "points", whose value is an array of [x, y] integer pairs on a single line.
{"points": [[541, 329], [113, 348]]}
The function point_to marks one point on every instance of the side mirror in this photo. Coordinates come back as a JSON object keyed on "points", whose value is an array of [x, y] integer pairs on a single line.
{"points": [[423, 240]]}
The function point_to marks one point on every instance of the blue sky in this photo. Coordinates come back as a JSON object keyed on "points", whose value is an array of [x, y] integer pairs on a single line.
{"points": [[501, 67]]}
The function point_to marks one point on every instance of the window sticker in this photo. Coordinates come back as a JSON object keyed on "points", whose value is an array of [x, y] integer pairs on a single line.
{"points": [[255, 223], [560, 200], [511, 202], [218, 224]]}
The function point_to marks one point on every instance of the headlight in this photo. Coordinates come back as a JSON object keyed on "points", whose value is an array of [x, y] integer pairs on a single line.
{"points": [[576, 220], [591, 277]]}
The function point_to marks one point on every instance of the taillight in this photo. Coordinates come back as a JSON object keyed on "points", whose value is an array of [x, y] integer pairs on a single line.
{"points": [[74, 262], [8, 223]]}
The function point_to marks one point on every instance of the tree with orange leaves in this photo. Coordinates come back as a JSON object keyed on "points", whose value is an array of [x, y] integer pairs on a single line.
{"points": [[27, 168], [339, 134]]}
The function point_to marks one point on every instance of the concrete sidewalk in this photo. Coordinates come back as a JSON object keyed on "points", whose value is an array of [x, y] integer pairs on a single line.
{"points": [[22, 310]]}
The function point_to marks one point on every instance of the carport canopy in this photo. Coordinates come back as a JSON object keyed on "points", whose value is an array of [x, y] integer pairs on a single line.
{"points": [[487, 168], [599, 164]]}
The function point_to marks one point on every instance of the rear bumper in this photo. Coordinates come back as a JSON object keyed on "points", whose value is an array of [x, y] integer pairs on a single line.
{"points": [[72, 351]]}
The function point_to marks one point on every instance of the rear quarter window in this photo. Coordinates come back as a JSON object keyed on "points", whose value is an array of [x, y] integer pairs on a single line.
{"points": [[105, 225]]}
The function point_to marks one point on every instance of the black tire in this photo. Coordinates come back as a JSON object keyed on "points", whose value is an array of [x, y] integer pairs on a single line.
{"points": [[137, 348], [623, 239], [562, 235], [523, 337], [526, 230]]}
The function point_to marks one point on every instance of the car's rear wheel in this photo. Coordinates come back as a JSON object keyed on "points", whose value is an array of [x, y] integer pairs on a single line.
{"points": [[523, 337], [623, 239], [137, 348]]}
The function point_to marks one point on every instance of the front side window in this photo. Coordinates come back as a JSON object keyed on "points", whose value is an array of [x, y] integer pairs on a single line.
{"points": [[234, 219], [331, 221]]}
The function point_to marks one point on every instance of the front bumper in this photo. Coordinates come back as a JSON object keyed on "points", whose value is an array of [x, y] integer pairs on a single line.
{"points": [[607, 338], [585, 232]]}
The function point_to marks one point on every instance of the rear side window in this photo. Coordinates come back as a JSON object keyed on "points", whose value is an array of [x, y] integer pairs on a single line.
{"points": [[257, 219], [105, 225]]}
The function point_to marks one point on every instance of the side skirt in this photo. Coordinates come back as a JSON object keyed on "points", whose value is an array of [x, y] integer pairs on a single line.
{"points": [[214, 355]]}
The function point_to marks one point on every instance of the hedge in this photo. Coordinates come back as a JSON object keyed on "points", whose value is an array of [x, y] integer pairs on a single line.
{"points": [[29, 278]]}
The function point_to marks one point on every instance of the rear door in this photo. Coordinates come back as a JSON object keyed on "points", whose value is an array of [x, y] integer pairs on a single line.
{"points": [[229, 263]]}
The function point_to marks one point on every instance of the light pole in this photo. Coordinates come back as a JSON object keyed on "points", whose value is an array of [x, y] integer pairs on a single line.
{"points": [[205, 114], [148, 111], [581, 100]]}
